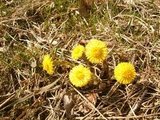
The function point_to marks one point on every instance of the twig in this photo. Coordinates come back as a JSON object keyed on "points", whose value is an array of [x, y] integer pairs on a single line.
{"points": [[121, 117], [6, 100], [89, 103], [40, 91], [140, 116], [113, 89], [137, 105]]}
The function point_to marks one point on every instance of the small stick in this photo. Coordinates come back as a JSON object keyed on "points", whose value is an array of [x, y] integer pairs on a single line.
{"points": [[89, 103], [113, 89], [137, 105], [6, 100], [128, 117]]}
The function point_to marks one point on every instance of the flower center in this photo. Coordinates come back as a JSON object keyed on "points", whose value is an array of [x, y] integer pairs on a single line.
{"points": [[128, 75], [97, 53], [80, 75], [47, 66], [77, 51]]}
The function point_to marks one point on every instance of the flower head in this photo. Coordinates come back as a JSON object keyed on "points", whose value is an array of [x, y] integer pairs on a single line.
{"points": [[48, 64], [77, 52], [80, 76], [96, 51], [125, 73]]}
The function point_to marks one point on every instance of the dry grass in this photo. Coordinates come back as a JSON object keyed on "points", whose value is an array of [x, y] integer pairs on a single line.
{"points": [[30, 28]]}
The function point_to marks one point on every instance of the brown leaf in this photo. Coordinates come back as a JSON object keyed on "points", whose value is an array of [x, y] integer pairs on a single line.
{"points": [[102, 87], [83, 42], [68, 104], [92, 97]]}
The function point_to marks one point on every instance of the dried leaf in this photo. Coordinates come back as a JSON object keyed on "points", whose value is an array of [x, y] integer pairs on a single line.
{"points": [[92, 97], [68, 104], [33, 64], [83, 42], [102, 87]]}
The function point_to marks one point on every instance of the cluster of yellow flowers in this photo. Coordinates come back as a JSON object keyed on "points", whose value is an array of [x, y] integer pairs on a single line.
{"points": [[96, 52]]}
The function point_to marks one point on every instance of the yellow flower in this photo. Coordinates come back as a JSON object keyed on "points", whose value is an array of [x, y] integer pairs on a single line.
{"points": [[77, 52], [125, 72], [48, 64], [96, 51], [80, 76]]}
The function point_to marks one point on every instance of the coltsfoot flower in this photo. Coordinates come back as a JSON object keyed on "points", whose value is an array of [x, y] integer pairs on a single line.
{"points": [[80, 76], [77, 52], [48, 64], [124, 73], [96, 51]]}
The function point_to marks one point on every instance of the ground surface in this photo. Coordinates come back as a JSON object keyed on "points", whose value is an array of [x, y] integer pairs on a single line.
{"points": [[31, 28]]}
